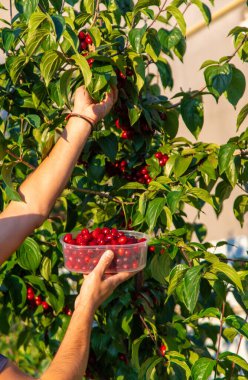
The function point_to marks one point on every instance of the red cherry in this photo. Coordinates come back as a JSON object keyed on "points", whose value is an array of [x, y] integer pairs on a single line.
{"points": [[158, 155], [45, 305], [163, 349], [81, 35], [68, 238], [69, 313], [90, 61], [135, 264], [30, 296], [129, 72], [161, 162], [83, 45], [125, 134], [38, 300], [85, 231], [165, 158], [117, 123], [141, 240], [96, 232], [151, 248], [122, 240], [122, 75], [30, 290], [88, 39], [148, 180]]}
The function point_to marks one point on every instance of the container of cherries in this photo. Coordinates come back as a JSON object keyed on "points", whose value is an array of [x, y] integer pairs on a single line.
{"points": [[83, 249]]}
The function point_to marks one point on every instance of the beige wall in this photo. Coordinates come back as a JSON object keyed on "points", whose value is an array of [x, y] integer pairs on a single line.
{"points": [[212, 42], [220, 119]]}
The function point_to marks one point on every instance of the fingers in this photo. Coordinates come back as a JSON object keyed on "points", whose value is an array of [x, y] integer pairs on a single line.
{"points": [[104, 262], [117, 279]]}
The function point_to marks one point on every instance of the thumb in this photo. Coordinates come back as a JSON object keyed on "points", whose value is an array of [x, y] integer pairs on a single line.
{"points": [[104, 262]]}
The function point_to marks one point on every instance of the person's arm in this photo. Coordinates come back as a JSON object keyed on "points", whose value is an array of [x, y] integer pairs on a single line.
{"points": [[40, 190], [70, 362]]}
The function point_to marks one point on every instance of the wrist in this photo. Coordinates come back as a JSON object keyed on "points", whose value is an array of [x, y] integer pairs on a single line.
{"points": [[89, 115]]}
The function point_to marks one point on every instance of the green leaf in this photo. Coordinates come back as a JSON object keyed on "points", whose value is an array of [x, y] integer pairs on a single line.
{"points": [[240, 208], [133, 186], [35, 39], [56, 297], [29, 256], [237, 86], [83, 65], [228, 272], [202, 368], [134, 114], [36, 19], [57, 4], [71, 38], [173, 199], [135, 37], [141, 4], [147, 367], [27, 8], [234, 358], [139, 69], [191, 287], [202, 194], [59, 25], [33, 120], [204, 10], [46, 268], [7, 178], [89, 6], [193, 114], [50, 64], [109, 145], [165, 73], [176, 277], [238, 323], [65, 86], [160, 267], [17, 290], [218, 78], [154, 209], [181, 165], [175, 12], [225, 156], [96, 35], [179, 360], [135, 351], [152, 44], [242, 116], [15, 65], [8, 38]]}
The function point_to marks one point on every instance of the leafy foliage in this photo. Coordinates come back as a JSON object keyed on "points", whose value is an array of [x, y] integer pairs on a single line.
{"points": [[184, 284]]}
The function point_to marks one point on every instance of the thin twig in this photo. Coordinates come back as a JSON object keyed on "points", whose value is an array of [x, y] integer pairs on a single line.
{"points": [[189, 261], [239, 344], [96, 13], [10, 11], [19, 159], [242, 188], [101, 194], [161, 9], [220, 334]]}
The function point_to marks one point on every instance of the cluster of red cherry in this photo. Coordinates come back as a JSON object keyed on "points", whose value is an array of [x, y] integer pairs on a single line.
{"points": [[140, 175], [129, 254], [36, 300], [85, 40], [127, 132], [162, 158]]}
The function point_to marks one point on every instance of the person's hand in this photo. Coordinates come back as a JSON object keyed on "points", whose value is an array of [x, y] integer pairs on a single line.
{"points": [[97, 287], [84, 104]]}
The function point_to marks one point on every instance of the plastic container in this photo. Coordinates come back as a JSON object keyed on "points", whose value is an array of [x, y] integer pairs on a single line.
{"points": [[128, 257]]}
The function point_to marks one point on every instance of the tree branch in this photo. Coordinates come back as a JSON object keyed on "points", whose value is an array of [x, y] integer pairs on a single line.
{"points": [[219, 338], [96, 13], [161, 9], [19, 159], [101, 194]]}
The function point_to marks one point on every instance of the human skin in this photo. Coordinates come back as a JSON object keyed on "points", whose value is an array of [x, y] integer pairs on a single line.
{"points": [[53, 174], [19, 219]]}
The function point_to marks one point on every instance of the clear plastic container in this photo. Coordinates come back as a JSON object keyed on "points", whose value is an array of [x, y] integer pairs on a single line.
{"points": [[127, 258]]}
